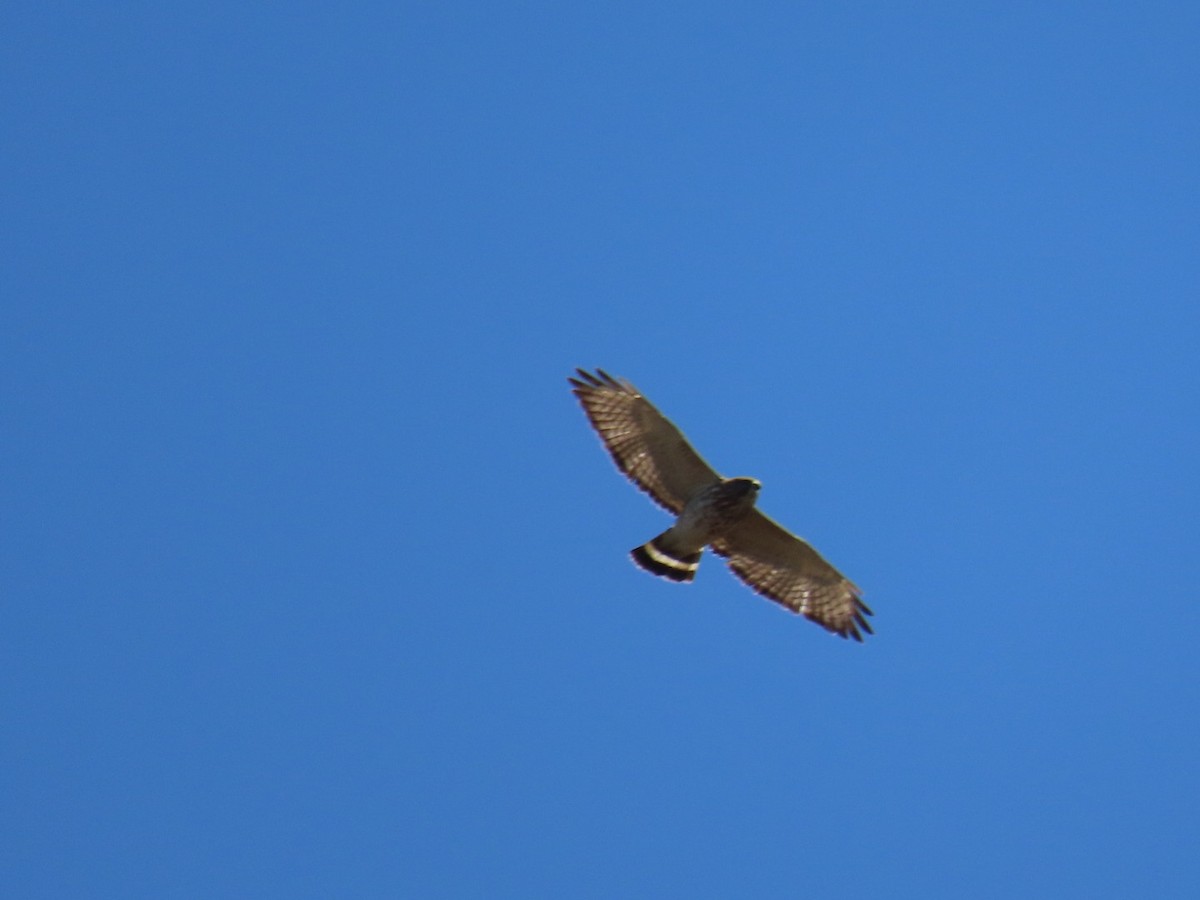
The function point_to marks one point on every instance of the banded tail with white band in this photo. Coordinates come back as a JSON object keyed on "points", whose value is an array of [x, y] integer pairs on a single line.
{"points": [[661, 557]]}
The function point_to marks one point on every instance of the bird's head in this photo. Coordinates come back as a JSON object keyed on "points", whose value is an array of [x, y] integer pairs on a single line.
{"points": [[746, 485]]}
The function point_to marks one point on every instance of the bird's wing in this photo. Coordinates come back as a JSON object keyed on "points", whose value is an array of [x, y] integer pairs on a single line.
{"points": [[786, 569], [643, 442]]}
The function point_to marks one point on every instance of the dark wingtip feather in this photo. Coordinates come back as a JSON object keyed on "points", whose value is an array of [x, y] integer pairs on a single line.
{"points": [[588, 380], [585, 382], [602, 379]]}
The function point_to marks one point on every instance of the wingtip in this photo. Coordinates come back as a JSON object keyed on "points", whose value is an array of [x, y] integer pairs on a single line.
{"points": [[588, 379]]}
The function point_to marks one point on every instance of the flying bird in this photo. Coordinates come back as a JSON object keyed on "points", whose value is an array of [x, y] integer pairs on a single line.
{"points": [[712, 511]]}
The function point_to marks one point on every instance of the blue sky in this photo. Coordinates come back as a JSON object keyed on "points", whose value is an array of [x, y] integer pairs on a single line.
{"points": [[315, 579]]}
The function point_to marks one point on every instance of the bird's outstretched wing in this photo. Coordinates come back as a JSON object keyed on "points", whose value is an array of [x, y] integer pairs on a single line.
{"points": [[786, 569], [643, 442]]}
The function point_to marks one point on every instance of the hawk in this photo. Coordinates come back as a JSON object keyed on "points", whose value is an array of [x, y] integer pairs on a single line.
{"points": [[712, 511]]}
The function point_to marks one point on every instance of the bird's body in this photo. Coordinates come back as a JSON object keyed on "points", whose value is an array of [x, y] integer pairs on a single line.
{"points": [[708, 514], [712, 511]]}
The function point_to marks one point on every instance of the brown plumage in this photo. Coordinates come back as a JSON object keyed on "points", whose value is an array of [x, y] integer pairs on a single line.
{"points": [[712, 511]]}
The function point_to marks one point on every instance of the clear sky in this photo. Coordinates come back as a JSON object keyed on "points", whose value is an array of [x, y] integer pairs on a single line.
{"points": [[315, 580]]}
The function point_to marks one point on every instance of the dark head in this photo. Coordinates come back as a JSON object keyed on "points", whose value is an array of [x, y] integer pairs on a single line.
{"points": [[745, 485]]}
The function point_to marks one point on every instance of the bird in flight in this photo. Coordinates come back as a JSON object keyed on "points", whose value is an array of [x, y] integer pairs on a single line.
{"points": [[712, 511]]}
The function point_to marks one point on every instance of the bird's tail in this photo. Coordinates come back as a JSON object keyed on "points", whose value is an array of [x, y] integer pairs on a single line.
{"points": [[660, 557]]}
